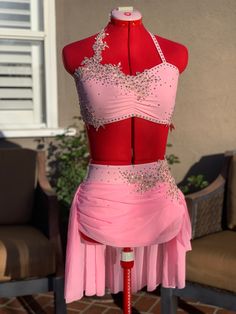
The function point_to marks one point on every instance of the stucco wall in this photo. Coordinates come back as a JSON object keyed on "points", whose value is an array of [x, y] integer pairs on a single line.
{"points": [[205, 113]]}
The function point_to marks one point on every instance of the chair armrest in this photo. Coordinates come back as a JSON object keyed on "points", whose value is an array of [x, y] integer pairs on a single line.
{"points": [[47, 210], [205, 193], [206, 206]]}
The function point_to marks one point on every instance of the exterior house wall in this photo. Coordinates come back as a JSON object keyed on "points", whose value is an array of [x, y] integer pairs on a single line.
{"points": [[205, 112]]}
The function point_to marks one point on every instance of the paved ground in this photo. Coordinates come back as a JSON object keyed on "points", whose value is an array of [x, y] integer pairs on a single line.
{"points": [[142, 303]]}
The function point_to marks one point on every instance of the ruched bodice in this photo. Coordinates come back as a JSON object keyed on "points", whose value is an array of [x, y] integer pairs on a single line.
{"points": [[107, 94]]}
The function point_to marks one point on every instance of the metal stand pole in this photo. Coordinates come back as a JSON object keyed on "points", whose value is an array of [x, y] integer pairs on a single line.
{"points": [[127, 262]]}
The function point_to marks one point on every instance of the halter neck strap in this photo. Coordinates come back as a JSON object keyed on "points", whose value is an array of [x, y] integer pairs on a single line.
{"points": [[158, 47], [100, 45]]}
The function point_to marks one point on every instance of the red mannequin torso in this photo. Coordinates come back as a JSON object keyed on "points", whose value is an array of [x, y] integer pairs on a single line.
{"points": [[133, 140]]}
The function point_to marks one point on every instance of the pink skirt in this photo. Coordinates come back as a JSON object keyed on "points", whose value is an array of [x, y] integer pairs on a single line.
{"points": [[137, 206]]}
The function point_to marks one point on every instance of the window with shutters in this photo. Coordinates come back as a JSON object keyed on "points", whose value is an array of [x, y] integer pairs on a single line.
{"points": [[28, 76]]}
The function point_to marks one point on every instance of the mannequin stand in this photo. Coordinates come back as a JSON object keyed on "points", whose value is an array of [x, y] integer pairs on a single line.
{"points": [[127, 262]]}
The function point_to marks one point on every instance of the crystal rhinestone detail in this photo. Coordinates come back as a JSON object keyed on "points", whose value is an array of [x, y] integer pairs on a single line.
{"points": [[111, 73], [142, 177], [91, 70], [87, 112], [145, 180]]}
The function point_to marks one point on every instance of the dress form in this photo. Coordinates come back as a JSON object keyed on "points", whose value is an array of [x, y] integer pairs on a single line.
{"points": [[134, 140], [107, 204]]}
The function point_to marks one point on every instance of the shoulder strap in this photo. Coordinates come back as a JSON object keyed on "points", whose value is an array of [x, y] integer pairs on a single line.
{"points": [[158, 47], [99, 45]]}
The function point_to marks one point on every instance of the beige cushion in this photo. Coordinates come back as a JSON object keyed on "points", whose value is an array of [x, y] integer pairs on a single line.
{"points": [[25, 252], [17, 183], [231, 195], [212, 260]]}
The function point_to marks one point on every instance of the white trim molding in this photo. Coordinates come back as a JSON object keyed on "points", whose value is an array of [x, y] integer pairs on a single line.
{"points": [[36, 133], [51, 63]]}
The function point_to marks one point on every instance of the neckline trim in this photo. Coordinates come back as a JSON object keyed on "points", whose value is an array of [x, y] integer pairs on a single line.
{"points": [[102, 34], [99, 45]]}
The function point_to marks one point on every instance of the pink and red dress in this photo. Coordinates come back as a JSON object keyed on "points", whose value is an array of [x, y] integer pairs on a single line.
{"points": [[136, 206]]}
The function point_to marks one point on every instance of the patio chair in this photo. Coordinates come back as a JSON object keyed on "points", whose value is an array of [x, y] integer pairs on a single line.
{"points": [[211, 265], [31, 260]]}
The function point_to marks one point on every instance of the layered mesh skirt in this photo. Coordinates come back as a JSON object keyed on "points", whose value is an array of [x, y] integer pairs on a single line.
{"points": [[137, 206]]}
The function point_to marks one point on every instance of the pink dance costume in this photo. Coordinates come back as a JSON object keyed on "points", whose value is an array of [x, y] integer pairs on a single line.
{"points": [[137, 206]]}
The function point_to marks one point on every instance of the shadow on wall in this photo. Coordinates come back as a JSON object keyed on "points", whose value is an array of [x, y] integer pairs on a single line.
{"points": [[209, 166], [6, 143]]}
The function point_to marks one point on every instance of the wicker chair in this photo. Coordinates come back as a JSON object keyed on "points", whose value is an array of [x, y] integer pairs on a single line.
{"points": [[31, 258], [211, 265]]}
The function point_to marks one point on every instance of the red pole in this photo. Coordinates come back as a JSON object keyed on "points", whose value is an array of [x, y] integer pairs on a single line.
{"points": [[127, 262]]}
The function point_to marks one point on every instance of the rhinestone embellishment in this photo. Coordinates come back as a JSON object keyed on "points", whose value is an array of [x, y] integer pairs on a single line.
{"points": [[87, 111], [145, 180], [143, 177], [92, 70], [112, 73]]}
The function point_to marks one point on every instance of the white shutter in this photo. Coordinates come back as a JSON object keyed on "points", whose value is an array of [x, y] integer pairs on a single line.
{"points": [[15, 14], [28, 69], [21, 67], [21, 84]]}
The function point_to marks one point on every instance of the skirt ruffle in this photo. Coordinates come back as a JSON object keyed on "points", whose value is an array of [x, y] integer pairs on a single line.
{"points": [[90, 268]]}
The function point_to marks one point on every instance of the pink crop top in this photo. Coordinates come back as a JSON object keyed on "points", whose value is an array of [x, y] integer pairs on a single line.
{"points": [[106, 94]]}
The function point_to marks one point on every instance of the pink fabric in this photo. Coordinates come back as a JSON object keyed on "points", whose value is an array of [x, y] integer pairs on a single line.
{"points": [[110, 102], [107, 94], [117, 216]]}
